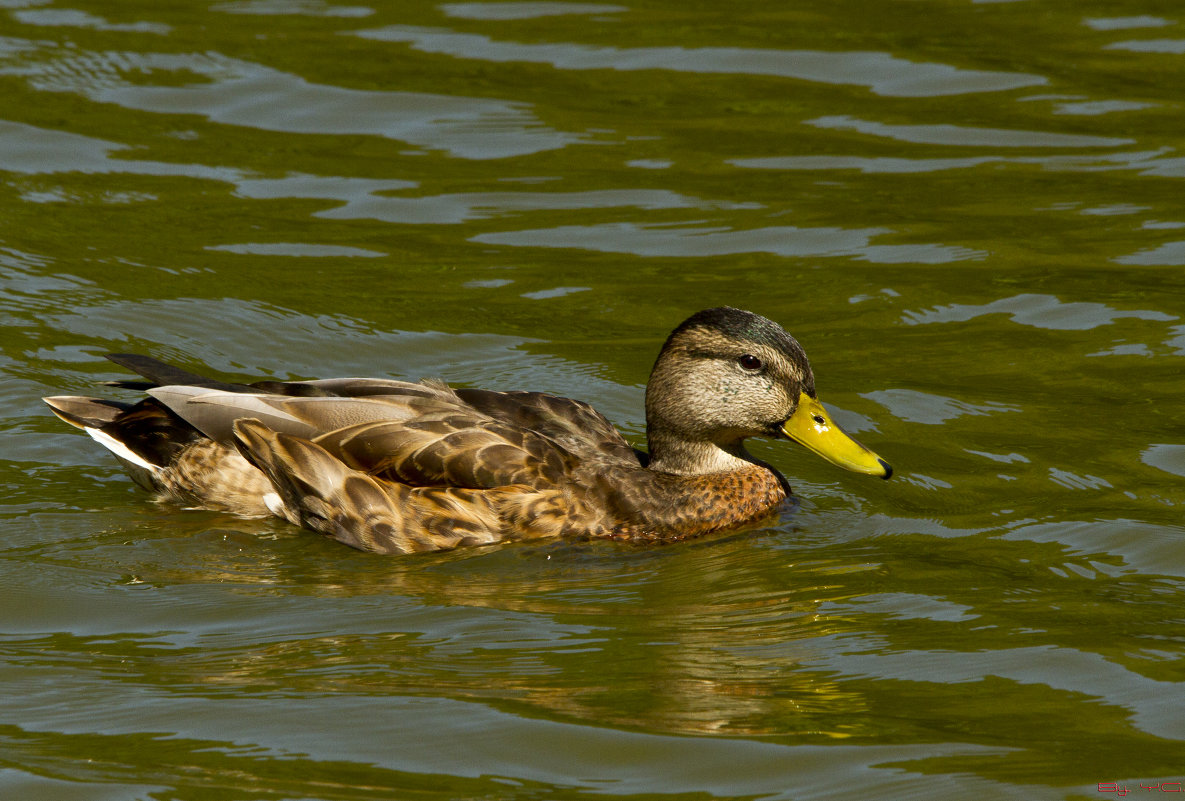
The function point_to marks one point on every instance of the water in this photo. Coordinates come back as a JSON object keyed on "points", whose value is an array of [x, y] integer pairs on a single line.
{"points": [[969, 213]]}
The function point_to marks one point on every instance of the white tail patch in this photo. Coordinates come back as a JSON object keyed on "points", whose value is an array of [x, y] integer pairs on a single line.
{"points": [[274, 504], [119, 449]]}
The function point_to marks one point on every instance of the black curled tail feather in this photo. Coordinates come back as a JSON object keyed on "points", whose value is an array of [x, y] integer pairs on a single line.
{"points": [[161, 374]]}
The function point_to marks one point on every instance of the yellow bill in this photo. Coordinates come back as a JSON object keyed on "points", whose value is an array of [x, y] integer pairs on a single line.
{"points": [[811, 426]]}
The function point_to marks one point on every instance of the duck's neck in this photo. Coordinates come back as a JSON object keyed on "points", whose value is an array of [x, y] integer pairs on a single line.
{"points": [[683, 457]]}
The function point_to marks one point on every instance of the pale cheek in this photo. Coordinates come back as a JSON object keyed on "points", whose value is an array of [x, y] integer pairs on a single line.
{"points": [[747, 394], [727, 390]]}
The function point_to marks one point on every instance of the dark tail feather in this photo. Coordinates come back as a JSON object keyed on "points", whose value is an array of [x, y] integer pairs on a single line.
{"points": [[160, 374], [154, 432], [142, 386], [147, 429], [86, 412]]}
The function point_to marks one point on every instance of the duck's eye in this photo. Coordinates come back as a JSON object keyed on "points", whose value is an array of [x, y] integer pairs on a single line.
{"points": [[750, 362]]}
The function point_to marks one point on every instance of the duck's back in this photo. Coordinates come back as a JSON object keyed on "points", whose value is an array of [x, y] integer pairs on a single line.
{"points": [[573, 425], [479, 439], [445, 466], [422, 434]]}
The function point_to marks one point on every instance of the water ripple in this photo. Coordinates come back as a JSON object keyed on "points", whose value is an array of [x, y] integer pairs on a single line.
{"points": [[1170, 46], [1124, 23], [70, 18], [306, 8], [694, 241], [883, 73], [923, 407], [243, 93], [1039, 311], [458, 208], [525, 10], [961, 136]]}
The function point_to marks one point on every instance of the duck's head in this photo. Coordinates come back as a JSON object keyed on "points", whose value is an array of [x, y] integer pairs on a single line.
{"points": [[726, 374]]}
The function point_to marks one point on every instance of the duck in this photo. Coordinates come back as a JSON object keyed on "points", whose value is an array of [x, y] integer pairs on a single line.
{"points": [[397, 467]]}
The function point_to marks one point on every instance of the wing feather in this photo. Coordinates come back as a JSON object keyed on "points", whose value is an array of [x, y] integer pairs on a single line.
{"points": [[573, 425], [422, 435], [455, 451], [213, 412]]}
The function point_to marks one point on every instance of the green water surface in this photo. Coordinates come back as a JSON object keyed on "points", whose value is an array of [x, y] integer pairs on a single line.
{"points": [[971, 215]]}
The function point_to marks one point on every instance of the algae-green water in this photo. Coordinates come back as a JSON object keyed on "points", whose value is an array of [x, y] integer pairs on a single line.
{"points": [[971, 214]]}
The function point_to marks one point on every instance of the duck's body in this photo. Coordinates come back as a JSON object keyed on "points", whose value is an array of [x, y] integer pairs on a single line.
{"points": [[397, 467]]}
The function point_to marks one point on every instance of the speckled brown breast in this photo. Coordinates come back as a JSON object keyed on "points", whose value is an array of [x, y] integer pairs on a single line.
{"points": [[657, 507]]}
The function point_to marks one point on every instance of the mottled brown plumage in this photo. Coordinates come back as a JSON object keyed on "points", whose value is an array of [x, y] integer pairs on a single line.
{"points": [[400, 467]]}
